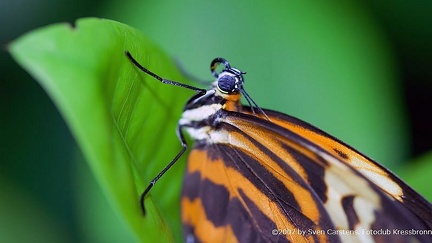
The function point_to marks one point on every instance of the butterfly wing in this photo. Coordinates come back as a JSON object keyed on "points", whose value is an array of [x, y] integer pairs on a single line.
{"points": [[254, 180], [377, 174]]}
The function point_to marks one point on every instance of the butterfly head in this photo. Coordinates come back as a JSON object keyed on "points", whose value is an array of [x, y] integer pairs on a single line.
{"points": [[230, 80], [229, 85]]}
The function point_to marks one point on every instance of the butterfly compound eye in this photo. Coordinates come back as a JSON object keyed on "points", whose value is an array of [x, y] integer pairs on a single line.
{"points": [[227, 84]]}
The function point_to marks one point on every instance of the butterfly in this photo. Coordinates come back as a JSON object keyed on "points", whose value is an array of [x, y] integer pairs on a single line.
{"points": [[257, 175]]}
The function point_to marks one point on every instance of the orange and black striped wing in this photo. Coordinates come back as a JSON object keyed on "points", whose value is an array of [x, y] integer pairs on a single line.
{"points": [[376, 173], [262, 181]]}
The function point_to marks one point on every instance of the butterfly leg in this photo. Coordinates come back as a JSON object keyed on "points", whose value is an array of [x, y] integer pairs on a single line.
{"points": [[201, 92], [153, 182]]}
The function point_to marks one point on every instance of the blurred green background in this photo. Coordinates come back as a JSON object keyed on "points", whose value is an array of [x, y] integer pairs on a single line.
{"points": [[359, 70]]}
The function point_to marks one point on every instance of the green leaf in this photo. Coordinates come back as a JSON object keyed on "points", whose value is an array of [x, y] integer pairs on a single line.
{"points": [[122, 119]]}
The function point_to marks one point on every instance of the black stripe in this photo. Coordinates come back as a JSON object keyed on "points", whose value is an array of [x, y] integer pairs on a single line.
{"points": [[199, 100], [191, 182], [247, 232], [215, 200], [341, 154], [201, 123], [209, 121], [348, 206], [314, 172], [293, 120]]}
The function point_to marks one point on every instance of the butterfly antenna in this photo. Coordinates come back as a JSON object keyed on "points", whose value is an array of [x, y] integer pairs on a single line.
{"points": [[251, 101]]}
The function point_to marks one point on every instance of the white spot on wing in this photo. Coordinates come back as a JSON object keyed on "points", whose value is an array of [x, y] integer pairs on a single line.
{"points": [[377, 176], [342, 182]]}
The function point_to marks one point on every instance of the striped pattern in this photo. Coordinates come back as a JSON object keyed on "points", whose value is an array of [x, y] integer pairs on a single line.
{"points": [[261, 176], [247, 176]]}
